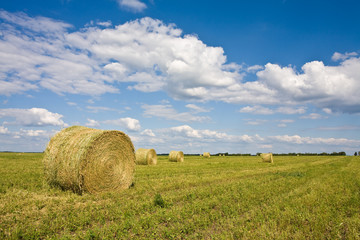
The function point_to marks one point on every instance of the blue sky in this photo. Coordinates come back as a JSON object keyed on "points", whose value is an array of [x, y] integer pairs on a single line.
{"points": [[231, 76]]}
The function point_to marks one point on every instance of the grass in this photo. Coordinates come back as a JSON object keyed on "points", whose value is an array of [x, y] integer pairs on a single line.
{"points": [[314, 197]]}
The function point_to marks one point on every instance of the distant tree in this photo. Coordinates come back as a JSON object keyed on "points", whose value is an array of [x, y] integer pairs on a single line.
{"points": [[355, 154]]}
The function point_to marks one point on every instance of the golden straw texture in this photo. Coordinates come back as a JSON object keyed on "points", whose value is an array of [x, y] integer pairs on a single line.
{"points": [[267, 157], [206, 154], [146, 156], [176, 156], [83, 159]]}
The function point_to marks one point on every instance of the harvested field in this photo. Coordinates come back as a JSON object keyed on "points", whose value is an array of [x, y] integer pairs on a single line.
{"points": [[300, 197]]}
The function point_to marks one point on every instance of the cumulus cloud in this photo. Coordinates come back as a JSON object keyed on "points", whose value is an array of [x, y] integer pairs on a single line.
{"points": [[148, 55], [130, 124], [31, 117], [169, 113], [34, 53], [132, 5], [331, 87]]}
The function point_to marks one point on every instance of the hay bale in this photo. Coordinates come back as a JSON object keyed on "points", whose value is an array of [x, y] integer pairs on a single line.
{"points": [[206, 154], [146, 156], [176, 156], [267, 157], [83, 159]]}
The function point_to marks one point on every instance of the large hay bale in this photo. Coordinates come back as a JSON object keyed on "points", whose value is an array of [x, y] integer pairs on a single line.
{"points": [[206, 154], [267, 157], [146, 156], [176, 156], [89, 160]]}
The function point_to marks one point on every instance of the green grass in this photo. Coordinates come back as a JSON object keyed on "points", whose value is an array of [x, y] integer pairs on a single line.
{"points": [[216, 198]]}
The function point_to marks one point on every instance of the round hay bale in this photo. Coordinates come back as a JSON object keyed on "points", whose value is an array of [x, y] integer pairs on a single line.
{"points": [[176, 156], [206, 155], [267, 157], [146, 156], [83, 159]]}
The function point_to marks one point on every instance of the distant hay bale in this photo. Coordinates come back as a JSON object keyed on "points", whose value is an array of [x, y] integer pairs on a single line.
{"points": [[176, 156], [267, 157], [206, 154], [83, 159], [146, 156]]}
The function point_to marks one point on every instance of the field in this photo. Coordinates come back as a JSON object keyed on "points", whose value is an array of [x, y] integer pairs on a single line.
{"points": [[215, 198]]}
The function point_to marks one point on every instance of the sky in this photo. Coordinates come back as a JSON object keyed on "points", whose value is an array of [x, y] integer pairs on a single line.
{"points": [[278, 76]]}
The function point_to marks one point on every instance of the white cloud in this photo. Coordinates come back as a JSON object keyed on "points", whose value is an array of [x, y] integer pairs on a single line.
{"points": [[313, 116], [296, 139], [148, 55], [130, 124], [206, 135], [148, 132], [39, 24], [339, 56], [19, 140], [32, 117], [96, 109], [183, 135], [256, 122], [132, 5], [3, 130], [257, 110], [104, 24], [255, 68], [332, 87], [92, 123], [327, 110], [71, 103], [34, 53], [289, 110], [146, 52], [34, 133], [267, 111], [169, 113], [196, 108]]}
